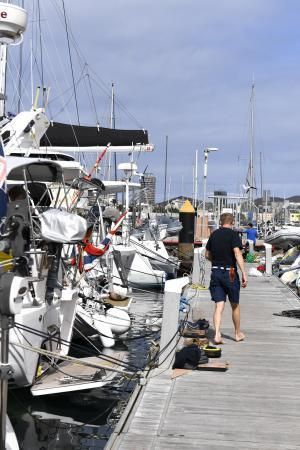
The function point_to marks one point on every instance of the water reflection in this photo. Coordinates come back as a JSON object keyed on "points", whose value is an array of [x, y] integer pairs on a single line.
{"points": [[85, 419]]}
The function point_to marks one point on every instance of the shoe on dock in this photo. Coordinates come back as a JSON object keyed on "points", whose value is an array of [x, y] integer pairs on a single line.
{"points": [[200, 341], [201, 324], [193, 333]]}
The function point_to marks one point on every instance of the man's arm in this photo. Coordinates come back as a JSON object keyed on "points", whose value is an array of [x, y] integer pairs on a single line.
{"points": [[208, 255], [239, 259]]}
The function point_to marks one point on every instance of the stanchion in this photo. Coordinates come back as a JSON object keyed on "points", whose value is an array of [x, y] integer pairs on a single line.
{"points": [[12, 291], [6, 371]]}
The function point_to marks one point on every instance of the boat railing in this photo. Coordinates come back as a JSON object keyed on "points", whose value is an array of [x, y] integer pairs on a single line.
{"points": [[268, 256]]}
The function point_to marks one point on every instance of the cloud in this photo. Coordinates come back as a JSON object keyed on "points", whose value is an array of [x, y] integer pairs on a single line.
{"points": [[184, 68]]}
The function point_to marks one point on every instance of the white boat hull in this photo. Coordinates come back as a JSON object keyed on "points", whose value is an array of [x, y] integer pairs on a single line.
{"points": [[44, 319], [285, 238], [138, 271], [113, 322], [11, 442], [158, 256]]}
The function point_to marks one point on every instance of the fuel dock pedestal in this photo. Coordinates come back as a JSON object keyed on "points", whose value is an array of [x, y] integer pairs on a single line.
{"points": [[186, 236]]}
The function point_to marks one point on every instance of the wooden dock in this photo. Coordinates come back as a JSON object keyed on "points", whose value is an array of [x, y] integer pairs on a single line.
{"points": [[255, 404]]}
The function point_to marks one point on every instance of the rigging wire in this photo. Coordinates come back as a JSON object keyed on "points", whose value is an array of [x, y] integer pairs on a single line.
{"points": [[71, 61], [81, 59], [20, 69], [117, 101], [96, 79], [78, 361], [158, 256], [41, 48], [92, 94], [107, 358]]}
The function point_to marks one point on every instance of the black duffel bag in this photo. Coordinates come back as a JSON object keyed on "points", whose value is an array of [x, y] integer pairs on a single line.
{"points": [[189, 357]]}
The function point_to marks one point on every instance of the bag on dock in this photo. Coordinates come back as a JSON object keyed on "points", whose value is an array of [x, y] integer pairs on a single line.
{"points": [[189, 357]]}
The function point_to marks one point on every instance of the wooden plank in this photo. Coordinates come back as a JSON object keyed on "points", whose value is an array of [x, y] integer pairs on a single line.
{"points": [[179, 373], [220, 366], [254, 405]]}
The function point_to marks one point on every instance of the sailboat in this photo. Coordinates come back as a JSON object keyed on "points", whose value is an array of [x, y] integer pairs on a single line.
{"points": [[38, 299], [41, 309], [24, 134], [35, 230]]}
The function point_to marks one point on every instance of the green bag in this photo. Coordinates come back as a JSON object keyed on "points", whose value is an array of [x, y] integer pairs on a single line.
{"points": [[250, 258]]}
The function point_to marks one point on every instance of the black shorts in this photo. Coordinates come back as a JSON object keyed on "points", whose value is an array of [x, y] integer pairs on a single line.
{"points": [[221, 287]]}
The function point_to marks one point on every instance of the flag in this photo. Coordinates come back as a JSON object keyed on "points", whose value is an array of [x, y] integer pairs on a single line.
{"points": [[90, 249], [95, 252]]}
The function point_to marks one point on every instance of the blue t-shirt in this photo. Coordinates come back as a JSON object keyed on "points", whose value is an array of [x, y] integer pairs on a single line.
{"points": [[251, 234]]}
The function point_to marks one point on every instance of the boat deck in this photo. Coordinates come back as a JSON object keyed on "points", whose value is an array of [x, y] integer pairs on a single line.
{"points": [[255, 404], [80, 373]]}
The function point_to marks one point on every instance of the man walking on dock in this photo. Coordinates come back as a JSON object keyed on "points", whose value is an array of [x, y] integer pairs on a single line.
{"points": [[223, 249]]}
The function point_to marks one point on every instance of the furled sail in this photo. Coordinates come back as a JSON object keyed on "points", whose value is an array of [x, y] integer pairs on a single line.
{"points": [[64, 135]]}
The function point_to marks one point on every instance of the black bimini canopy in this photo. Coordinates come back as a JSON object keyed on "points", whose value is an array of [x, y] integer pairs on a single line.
{"points": [[64, 135]]}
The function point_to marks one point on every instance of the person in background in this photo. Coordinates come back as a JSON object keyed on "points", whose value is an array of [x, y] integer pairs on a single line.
{"points": [[251, 233], [223, 249]]}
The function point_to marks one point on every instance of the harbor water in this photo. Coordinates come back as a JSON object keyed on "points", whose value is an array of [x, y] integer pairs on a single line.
{"points": [[85, 419]]}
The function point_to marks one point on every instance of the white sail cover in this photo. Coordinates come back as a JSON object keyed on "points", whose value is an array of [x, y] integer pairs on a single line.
{"points": [[61, 226]]}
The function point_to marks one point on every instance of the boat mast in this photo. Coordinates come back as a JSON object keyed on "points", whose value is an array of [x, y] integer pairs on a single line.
{"points": [[112, 126], [250, 179], [166, 168], [3, 60], [10, 285], [169, 189], [251, 166], [20, 71], [196, 181]]}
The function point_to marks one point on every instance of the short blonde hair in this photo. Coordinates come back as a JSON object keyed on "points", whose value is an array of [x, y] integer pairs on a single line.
{"points": [[226, 219]]}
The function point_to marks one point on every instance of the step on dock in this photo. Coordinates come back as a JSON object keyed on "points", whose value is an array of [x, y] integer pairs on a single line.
{"points": [[255, 404]]}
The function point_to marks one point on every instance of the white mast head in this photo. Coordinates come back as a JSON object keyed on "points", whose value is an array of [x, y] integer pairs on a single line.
{"points": [[13, 22]]}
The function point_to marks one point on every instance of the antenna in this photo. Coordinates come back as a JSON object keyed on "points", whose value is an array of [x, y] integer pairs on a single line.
{"points": [[36, 99]]}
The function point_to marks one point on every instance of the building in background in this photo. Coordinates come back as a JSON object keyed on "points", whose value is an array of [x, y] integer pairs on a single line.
{"points": [[148, 185]]}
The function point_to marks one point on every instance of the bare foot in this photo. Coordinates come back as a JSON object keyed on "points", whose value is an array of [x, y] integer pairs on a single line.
{"points": [[218, 340], [239, 337]]}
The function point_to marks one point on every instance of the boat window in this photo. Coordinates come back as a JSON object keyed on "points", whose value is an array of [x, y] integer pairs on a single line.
{"points": [[39, 193], [5, 136]]}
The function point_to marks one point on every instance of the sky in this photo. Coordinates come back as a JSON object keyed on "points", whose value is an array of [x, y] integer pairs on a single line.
{"points": [[182, 69]]}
